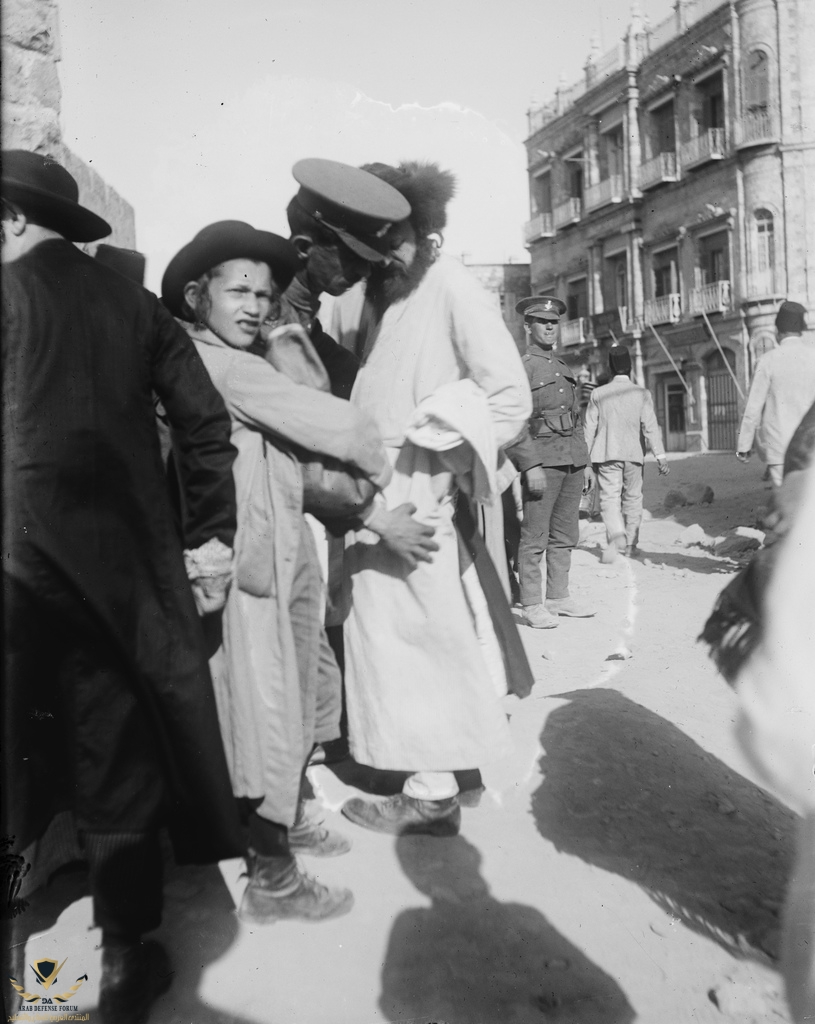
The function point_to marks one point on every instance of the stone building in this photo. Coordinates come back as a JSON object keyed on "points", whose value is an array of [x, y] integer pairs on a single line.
{"points": [[31, 107], [507, 282], [672, 198]]}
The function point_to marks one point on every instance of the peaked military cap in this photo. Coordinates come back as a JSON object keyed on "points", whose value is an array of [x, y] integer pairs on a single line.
{"points": [[545, 307], [356, 206]]}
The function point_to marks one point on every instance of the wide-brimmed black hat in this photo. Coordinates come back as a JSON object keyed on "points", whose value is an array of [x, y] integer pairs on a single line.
{"points": [[217, 243], [354, 205], [48, 192]]}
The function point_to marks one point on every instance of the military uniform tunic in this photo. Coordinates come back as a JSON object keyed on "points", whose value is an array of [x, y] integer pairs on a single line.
{"points": [[554, 441]]}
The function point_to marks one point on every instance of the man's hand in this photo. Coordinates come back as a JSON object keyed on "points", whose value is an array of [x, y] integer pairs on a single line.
{"points": [[662, 465], [535, 480], [404, 535], [588, 479], [743, 456]]}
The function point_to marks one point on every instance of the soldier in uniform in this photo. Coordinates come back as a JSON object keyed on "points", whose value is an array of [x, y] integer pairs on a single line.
{"points": [[553, 459]]}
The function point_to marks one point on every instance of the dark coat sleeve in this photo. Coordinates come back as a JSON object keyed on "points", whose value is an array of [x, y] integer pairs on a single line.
{"points": [[201, 429], [341, 365]]}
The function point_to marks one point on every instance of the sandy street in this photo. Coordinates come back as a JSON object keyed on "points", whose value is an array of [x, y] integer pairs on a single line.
{"points": [[622, 866]]}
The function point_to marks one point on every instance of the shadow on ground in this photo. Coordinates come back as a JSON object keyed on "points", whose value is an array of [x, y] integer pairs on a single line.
{"points": [[470, 959], [629, 792], [200, 925], [693, 563]]}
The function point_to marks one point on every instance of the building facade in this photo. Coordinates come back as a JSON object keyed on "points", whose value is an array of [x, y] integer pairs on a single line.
{"points": [[32, 106], [507, 283], [672, 194]]}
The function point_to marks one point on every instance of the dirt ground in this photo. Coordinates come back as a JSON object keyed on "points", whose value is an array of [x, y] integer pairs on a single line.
{"points": [[623, 865]]}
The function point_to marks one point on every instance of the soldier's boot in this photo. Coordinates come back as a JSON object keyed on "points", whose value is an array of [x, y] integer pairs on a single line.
{"points": [[278, 890]]}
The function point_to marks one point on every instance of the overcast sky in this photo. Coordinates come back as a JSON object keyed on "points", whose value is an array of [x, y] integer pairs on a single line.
{"points": [[195, 110]]}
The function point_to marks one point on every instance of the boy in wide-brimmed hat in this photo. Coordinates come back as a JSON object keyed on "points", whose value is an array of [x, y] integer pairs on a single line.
{"points": [[274, 704], [109, 709]]}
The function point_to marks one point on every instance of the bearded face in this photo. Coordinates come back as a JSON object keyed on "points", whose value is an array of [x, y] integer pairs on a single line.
{"points": [[410, 258]]}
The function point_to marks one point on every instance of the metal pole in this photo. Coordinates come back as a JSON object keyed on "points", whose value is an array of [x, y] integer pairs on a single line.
{"points": [[724, 357], [685, 384]]}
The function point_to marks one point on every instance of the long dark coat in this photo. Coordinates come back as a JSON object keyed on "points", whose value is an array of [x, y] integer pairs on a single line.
{"points": [[88, 531]]}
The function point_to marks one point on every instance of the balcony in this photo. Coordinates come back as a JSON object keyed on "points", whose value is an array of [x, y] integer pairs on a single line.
{"points": [[709, 298], [567, 213], [604, 192], [667, 309], [765, 284], [711, 144], [629, 324], [756, 128], [654, 172], [539, 227], [572, 333]]}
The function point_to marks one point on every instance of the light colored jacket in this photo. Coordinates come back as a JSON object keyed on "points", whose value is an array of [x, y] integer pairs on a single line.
{"points": [[619, 419], [782, 390], [261, 699]]}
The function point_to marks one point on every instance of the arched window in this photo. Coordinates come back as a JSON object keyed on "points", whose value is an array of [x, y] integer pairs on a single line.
{"points": [[765, 247], [757, 83]]}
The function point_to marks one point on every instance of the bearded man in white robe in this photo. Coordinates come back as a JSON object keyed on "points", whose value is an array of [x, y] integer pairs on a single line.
{"points": [[443, 381]]}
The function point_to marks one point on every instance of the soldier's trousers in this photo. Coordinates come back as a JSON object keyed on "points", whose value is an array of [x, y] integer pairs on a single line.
{"points": [[551, 524]]}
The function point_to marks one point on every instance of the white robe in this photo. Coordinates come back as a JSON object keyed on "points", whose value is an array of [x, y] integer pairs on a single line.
{"points": [[420, 695]]}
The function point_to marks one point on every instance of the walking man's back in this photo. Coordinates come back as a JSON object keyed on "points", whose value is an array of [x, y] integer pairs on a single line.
{"points": [[620, 419]]}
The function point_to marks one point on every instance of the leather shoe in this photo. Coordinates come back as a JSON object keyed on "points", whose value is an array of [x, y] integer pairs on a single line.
{"points": [[402, 815], [278, 890], [312, 837], [568, 606], [538, 617]]}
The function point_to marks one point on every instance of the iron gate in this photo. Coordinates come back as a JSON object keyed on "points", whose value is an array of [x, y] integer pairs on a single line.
{"points": [[722, 411]]}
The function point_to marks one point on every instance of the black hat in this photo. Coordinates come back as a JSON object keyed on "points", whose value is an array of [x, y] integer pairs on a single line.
{"points": [[791, 318], [127, 262], [543, 307], [619, 359], [354, 205], [217, 243], [50, 193]]}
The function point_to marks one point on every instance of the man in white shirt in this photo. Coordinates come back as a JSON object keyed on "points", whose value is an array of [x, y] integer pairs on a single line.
{"points": [[782, 390], [619, 419]]}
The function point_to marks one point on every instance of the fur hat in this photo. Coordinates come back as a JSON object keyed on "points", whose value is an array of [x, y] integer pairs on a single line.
{"points": [[426, 187]]}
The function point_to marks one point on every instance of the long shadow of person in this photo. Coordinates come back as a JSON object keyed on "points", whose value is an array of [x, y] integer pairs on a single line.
{"points": [[198, 928], [626, 790], [470, 959]]}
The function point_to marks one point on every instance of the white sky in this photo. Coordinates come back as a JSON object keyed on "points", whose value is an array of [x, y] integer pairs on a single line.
{"points": [[195, 110]]}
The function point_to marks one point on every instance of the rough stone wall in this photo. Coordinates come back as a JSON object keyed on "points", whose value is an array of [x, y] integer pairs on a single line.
{"points": [[31, 107]]}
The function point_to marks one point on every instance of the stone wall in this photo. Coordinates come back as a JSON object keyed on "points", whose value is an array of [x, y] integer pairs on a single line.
{"points": [[32, 101]]}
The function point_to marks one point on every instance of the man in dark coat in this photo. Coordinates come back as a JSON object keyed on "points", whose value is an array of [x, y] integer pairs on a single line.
{"points": [[109, 708]]}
